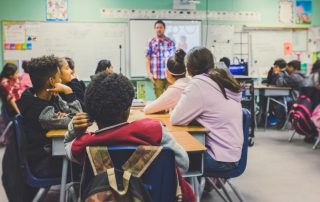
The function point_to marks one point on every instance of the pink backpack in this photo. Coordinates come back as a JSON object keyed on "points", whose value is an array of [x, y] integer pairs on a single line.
{"points": [[316, 118]]}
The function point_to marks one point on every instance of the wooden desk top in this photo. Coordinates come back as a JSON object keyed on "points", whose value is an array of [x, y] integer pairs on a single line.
{"points": [[56, 133], [185, 139], [188, 142], [136, 114], [262, 86]]}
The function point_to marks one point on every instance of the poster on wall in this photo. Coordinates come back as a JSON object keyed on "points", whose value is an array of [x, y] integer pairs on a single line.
{"points": [[303, 11], [57, 10]]}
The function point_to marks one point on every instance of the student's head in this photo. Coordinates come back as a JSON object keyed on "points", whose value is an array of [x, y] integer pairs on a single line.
{"points": [[293, 66], [65, 71], [71, 64], [199, 60], [226, 61], [25, 66], [160, 27], [175, 66], [316, 67], [104, 66], [279, 65], [9, 71], [108, 98], [44, 72]]}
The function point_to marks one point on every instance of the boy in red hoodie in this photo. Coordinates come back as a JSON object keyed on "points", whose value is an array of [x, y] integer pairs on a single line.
{"points": [[108, 100]]}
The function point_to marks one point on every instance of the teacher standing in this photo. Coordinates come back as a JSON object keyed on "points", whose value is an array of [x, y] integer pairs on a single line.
{"points": [[160, 48]]}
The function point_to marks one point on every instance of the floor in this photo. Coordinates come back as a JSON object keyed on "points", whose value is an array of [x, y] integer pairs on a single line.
{"points": [[277, 171]]}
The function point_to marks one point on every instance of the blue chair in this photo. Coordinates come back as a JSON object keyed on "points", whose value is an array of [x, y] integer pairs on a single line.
{"points": [[43, 184], [226, 175], [160, 178]]}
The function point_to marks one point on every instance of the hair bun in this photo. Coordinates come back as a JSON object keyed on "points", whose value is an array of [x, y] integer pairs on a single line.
{"points": [[179, 55]]}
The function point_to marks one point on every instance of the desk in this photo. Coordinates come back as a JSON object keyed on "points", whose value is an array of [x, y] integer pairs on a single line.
{"points": [[190, 144], [269, 92], [137, 113]]}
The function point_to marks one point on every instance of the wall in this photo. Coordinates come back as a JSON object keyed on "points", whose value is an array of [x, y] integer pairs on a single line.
{"points": [[88, 10]]}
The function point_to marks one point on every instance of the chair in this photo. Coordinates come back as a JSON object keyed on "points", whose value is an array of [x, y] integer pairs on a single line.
{"points": [[8, 121], [240, 168], [43, 184], [160, 178]]}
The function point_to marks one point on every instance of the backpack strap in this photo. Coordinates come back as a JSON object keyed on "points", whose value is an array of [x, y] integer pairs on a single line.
{"points": [[101, 163], [141, 159], [100, 159]]}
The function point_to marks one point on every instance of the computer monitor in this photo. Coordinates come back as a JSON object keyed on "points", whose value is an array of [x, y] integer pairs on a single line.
{"points": [[239, 69]]}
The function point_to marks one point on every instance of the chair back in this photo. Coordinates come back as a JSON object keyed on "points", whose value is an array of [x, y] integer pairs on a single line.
{"points": [[160, 178], [31, 180], [246, 116]]}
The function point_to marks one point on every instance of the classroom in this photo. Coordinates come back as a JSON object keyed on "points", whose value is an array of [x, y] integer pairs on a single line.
{"points": [[171, 100]]}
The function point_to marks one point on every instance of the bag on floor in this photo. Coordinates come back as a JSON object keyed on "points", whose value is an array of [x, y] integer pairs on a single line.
{"points": [[110, 184], [300, 116], [316, 118]]}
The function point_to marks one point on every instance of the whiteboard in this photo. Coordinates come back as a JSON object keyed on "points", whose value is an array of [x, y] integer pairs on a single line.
{"points": [[141, 31], [267, 46], [85, 43]]}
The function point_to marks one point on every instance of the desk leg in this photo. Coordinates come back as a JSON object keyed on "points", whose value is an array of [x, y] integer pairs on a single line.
{"points": [[267, 113], [64, 179]]}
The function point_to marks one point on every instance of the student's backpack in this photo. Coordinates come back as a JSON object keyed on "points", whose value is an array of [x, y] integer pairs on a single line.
{"points": [[300, 116], [316, 118], [110, 184]]}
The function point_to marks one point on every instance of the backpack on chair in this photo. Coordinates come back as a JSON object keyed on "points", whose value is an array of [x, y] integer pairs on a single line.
{"points": [[300, 116], [101, 181]]}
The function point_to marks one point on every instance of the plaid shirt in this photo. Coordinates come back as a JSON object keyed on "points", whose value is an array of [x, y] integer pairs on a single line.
{"points": [[159, 52]]}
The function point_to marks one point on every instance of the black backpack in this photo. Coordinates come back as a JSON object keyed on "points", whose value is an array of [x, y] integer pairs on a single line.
{"points": [[300, 116]]}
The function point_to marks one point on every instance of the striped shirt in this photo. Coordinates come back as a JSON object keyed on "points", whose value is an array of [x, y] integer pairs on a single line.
{"points": [[159, 51]]}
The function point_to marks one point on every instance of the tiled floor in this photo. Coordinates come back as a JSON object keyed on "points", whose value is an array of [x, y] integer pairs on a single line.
{"points": [[277, 171]]}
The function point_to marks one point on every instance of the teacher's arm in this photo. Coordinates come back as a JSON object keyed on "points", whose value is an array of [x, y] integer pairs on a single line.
{"points": [[148, 68]]}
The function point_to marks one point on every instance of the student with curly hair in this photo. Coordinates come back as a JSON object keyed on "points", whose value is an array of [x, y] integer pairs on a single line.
{"points": [[43, 110], [176, 77], [108, 100]]}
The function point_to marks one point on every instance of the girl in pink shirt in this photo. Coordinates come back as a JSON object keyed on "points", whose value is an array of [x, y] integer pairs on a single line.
{"points": [[25, 77], [213, 99], [176, 77], [10, 88]]}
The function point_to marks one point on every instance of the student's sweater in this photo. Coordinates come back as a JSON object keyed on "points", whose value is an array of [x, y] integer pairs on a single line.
{"points": [[40, 116], [78, 88], [203, 101], [313, 80], [295, 79], [169, 98]]}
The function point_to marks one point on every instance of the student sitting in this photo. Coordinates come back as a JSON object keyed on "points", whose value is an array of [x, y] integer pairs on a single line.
{"points": [[278, 66], [176, 77], [10, 88], [25, 77], [291, 77], [226, 61], [108, 100], [104, 66], [314, 77], [213, 99], [44, 110], [67, 78]]}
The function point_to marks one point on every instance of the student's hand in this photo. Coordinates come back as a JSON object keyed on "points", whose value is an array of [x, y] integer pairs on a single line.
{"points": [[81, 121], [60, 88], [151, 77], [61, 115]]}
